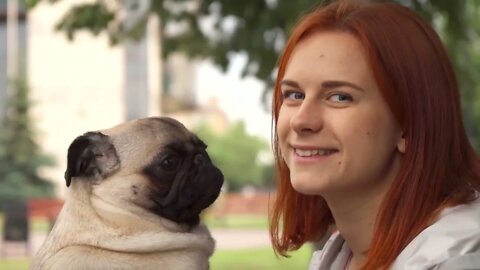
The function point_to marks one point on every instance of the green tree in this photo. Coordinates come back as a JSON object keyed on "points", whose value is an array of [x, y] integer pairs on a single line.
{"points": [[236, 153], [258, 29], [20, 156]]}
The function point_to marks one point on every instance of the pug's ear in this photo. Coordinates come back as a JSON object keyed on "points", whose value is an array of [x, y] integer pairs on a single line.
{"points": [[91, 155]]}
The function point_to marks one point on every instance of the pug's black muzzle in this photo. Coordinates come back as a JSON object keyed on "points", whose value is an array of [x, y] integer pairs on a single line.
{"points": [[195, 186]]}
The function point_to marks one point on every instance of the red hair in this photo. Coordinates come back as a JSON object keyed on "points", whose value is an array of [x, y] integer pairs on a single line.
{"points": [[440, 168]]}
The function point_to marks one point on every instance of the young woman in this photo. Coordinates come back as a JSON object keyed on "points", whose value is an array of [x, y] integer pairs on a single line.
{"points": [[369, 139]]}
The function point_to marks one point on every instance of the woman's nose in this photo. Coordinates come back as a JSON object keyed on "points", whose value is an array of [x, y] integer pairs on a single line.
{"points": [[307, 119]]}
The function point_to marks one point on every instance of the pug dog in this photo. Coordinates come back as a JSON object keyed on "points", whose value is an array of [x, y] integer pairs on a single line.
{"points": [[136, 192]]}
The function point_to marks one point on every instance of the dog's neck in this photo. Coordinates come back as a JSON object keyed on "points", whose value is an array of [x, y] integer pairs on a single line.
{"points": [[119, 216], [126, 218]]}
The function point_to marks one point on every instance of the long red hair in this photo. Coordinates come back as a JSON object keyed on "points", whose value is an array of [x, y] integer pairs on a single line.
{"points": [[440, 168]]}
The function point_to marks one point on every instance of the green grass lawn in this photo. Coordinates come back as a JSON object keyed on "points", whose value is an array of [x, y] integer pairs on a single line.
{"points": [[251, 259], [259, 259], [237, 221], [14, 264]]}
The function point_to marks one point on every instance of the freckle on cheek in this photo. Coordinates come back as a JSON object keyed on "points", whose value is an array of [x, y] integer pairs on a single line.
{"points": [[339, 163]]}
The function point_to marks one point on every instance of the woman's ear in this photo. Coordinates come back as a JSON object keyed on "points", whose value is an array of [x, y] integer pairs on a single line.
{"points": [[401, 144]]}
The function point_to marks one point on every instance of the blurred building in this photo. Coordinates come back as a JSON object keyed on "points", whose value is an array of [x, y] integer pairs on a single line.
{"points": [[88, 85], [20, 43]]}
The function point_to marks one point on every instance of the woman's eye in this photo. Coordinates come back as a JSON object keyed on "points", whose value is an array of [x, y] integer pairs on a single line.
{"points": [[293, 95], [340, 98]]}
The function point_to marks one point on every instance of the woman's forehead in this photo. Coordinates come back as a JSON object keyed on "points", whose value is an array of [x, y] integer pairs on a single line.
{"points": [[330, 56]]}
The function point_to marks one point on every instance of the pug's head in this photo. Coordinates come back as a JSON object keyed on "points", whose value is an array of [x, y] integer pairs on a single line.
{"points": [[154, 163]]}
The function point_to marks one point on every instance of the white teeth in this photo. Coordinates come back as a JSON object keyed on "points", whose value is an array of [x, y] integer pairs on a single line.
{"points": [[316, 152]]}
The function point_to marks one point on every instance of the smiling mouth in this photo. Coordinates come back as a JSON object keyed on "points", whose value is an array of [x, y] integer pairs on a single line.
{"points": [[314, 152]]}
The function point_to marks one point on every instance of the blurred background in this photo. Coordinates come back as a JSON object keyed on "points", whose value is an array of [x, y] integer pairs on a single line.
{"points": [[71, 66]]}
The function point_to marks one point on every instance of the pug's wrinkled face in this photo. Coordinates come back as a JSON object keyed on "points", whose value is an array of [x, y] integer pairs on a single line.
{"points": [[154, 163]]}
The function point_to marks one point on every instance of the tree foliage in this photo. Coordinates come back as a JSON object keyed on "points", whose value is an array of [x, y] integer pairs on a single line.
{"points": [[20, 155], [217, 29], [236, 153]]}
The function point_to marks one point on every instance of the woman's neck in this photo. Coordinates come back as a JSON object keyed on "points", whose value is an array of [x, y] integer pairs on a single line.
{"points": [[355, 219], [355, 212]]}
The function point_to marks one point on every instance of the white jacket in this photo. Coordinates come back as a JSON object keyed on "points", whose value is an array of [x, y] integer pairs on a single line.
{"points": [[451, 243]]}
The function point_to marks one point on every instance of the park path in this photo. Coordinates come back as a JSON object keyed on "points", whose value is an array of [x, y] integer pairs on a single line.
{"points": [[240, 238], [226, 239]]}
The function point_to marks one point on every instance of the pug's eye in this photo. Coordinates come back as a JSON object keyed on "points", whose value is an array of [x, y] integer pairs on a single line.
{"points": [[170, 162]]}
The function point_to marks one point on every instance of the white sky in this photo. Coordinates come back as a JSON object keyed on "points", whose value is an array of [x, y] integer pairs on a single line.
{"points": [[239, 97]]}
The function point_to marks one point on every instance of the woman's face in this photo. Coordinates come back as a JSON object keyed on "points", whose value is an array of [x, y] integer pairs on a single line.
{"points": [[336, 132]]}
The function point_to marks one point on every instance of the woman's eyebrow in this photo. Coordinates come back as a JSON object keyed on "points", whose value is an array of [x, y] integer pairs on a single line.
{"points": [[336, 84], [325, 85], [289, 83]]}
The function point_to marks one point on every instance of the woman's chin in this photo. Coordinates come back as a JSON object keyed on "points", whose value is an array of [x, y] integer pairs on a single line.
{"points": [[306, 187]]}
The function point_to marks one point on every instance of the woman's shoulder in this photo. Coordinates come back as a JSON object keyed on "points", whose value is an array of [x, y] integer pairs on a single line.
{"points": [[452, 242]]}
